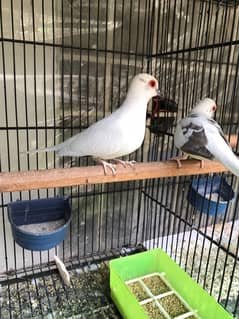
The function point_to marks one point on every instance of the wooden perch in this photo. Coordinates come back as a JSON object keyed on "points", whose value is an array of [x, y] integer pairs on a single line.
{"points": [[28, 180]]}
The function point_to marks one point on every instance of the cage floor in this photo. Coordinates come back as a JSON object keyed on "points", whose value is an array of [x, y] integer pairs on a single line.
{"points": [[44, 295]]}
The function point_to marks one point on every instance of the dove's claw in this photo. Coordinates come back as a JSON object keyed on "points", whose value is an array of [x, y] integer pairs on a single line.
{"points": [[125, 163], [131, 163], [202, 163], [183, 157], [178, 159], [109, 165]]}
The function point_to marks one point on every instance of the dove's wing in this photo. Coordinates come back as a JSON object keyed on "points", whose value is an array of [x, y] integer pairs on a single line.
{"points": [[108, 138], [203, 138], [100, 140], [190, 137]]}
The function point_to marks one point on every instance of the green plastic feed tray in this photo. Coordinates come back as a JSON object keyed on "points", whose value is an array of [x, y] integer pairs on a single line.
{"points": [[151, 285]]}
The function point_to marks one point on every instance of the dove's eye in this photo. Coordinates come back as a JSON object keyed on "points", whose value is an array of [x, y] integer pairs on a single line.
{"points": [[152, 83], [214, 108]]}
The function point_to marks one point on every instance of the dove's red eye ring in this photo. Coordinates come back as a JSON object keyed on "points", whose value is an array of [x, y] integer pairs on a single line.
{"points": [[152, 83], [214, 108]]}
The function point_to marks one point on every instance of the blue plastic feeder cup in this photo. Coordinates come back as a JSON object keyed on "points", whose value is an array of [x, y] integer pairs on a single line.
{"points": [[39, 224], [210, 195]]}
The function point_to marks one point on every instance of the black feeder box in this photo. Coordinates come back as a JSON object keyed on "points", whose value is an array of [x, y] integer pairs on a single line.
{"points": [[160, 119]]}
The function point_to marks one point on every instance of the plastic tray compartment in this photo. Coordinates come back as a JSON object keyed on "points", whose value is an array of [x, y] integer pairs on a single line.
{"points": [[39, 224], [210, 195], [151, 285]]}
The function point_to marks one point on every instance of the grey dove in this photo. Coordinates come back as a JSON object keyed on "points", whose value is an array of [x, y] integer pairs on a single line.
{"points": [[118, 134], [201, 137]]}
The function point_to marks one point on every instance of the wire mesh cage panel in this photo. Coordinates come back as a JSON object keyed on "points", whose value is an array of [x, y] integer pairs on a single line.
{"points": [[66, 64]]}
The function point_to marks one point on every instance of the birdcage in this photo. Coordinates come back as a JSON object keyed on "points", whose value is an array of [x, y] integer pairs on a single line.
{"points": [[65, 65]]}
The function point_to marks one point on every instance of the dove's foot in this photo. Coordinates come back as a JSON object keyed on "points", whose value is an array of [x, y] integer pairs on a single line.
{"points": [[125, 163], [107, 165], [184, 157], [178, 159], [202, 163]]}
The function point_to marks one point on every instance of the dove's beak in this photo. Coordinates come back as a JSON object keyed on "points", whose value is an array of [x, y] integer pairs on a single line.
{"points": [[158, 92]]}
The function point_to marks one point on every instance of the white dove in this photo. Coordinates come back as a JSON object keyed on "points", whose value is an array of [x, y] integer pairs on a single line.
{"points": [[200, 137], [118, 134]]}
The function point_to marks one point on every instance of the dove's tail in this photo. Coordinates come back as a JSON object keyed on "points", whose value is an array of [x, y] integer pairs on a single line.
{"points": [[41, 150], [232, 163], [226, 156]]}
